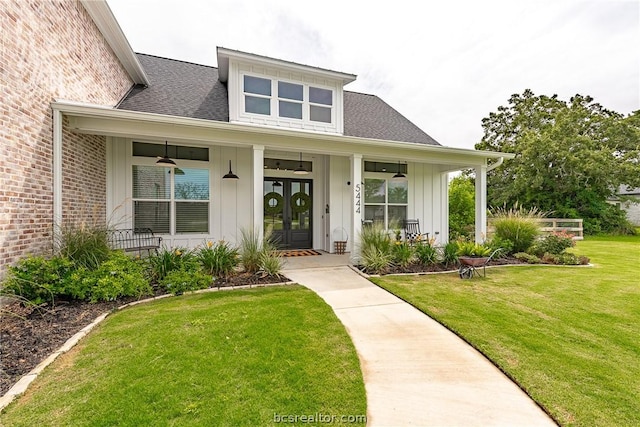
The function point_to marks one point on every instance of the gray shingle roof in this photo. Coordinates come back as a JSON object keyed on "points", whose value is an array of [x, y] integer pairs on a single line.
{"points": [[368, 116], [185, 89], [179, 88]]}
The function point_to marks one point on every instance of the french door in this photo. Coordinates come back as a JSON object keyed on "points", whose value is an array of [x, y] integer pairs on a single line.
{"points": [[288, 211]]}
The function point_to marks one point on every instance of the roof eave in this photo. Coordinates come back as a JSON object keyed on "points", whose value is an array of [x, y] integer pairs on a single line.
{"points": [[92, 110], [108, 25], [224, 54]]}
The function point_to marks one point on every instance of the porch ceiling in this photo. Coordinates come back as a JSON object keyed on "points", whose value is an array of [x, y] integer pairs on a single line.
{"points": [[98, 120]]}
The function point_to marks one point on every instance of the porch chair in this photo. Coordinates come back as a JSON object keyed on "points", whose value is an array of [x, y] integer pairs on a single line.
{"points": [[411, 228]]}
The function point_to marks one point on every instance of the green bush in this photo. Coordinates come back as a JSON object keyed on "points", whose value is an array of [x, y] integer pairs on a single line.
{"points": [[86, 245], [376, 249], [271, 263], [505, 246], [218, 259], [252, 247], [402, 253], [566, 258], [182, 280], [528, 258], [375, 260], [450, 253], [555, 243], [39, 280], [518, 225], [168, 260], [425, 253], [118, 276]]}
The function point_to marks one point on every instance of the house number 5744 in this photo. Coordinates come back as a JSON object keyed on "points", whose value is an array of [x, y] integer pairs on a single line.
{"points": [[357, 197]]}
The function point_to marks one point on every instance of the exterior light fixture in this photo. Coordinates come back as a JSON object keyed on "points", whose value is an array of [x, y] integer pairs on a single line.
{"points": [[300, 170], [276, 184], [166, 161], [230, 175], [399, 175]]}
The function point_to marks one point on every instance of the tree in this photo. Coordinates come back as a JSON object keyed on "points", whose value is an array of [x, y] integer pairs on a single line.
{"points": [[570, 157], [461, 207]]}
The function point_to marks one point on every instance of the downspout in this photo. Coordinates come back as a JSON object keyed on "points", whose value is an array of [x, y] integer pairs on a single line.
{"points": [[57, 175]]}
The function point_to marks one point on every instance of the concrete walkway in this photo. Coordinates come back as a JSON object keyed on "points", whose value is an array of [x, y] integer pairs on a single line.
{"points": [[416, 372]]}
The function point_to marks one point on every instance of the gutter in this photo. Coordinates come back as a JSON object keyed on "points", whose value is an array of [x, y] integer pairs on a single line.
{"points": [[496, 164], [106, 112]]}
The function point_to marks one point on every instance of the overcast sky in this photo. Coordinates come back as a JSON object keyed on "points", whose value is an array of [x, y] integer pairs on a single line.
{"points": [[444, 64]]}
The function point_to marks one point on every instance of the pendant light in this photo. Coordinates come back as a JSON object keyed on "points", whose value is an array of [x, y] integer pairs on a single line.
{"points": [[300, 170], [230, 175], [399, 175], [166, 161]]}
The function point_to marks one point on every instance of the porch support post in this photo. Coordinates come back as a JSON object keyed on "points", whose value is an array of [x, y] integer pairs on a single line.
{"points": [[481, 203], [57, 175], [258, 200], [357, 206]]}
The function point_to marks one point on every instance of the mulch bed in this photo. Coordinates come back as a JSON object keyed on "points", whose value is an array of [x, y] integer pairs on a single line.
{"points": [[433, 268], [29, 334]]}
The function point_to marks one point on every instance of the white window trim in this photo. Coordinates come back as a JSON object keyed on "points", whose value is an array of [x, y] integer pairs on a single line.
{"points": [[195, 164], [275, 105], [386, 204]]}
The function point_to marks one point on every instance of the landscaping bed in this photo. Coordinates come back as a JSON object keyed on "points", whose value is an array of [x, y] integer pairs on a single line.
{"points": [[30, 333]]}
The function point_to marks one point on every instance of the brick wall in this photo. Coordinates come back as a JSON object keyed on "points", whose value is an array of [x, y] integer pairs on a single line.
{"points": [[49, 50]]}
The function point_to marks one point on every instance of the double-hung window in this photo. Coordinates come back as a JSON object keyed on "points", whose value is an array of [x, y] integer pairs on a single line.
{"points": [[385, 201], [171, 200]]}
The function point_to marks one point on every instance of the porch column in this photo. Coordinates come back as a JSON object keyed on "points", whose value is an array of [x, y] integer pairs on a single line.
{"points": [[481, 203], [357, 205], [258, 178], [57, 175]]}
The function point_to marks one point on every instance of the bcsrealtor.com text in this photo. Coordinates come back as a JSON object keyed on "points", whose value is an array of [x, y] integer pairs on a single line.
{"points": [[318, 418]]}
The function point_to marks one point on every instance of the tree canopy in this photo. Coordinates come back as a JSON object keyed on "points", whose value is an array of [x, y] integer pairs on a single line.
{"points": [[570, 157]]}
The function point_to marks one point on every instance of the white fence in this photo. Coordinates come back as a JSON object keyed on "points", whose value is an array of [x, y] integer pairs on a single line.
{"points": [[570, 226], [553, 225]]}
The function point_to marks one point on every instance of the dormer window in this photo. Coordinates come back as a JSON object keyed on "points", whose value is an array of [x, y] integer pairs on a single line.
{"points": [[271, 92], [257, 97], [287, 100], [321, 101]]}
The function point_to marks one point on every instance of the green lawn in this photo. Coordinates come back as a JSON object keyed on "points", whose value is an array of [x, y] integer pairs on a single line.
{"points": [[570, 336], [232, 358]]}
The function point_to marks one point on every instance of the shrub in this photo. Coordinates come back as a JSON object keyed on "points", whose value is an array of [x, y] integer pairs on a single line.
{"points": [[402, 253], [118, 276], [376, 260], [375, 236], [518, 225], [505, 246], [566, 258], [168, 260], [252, 248], [555, 243], [426, 253], [271, 263], [450, 253], [182, 280], [528, 258], [218, 259], [376, 249], [38, 279], [86, 245]]}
